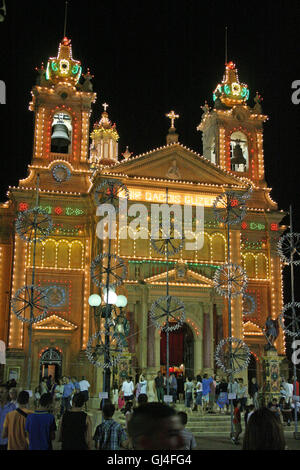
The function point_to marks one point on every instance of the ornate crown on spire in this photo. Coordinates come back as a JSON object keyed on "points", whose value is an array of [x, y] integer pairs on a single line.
{"points": [[63, 68], [104, 128], [231, 91]]}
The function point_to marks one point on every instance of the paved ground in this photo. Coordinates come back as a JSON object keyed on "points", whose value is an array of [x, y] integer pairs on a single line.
{"points": [[211, 442]]}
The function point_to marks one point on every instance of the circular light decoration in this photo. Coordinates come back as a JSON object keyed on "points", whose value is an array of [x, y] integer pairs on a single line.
{"points": [[30, 304], [168, 243], [101, 345], [108, 266], [288, 319], [56, 296], [61, 173], [229, 208], [289, 248], [109, 192], [230, 279], [249, 304], [167, 313], [232, 355], [34, 224]]}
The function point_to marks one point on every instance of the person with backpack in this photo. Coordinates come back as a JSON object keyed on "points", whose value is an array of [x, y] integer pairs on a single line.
{"points": [[110, 435], [14, 424]]}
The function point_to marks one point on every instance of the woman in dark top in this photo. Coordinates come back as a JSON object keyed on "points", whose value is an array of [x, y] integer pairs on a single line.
{"points": [[76, 428]]}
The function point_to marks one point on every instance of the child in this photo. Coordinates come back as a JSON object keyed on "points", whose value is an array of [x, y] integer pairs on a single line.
{"points": [[189, 439]]}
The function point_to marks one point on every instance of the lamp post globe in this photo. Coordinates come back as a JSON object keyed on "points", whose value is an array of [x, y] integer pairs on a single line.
{"points": [[121, 301], [94, 300], [109, 297]]}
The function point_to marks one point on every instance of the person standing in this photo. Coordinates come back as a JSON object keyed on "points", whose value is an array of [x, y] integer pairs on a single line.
{"points": [[84, 386], [41, 426], [206, 391], [198, 392], [159, 385], [232, 390], [253, 392], [173, 387], [212, 394], [68, 392], [151, 389], [143, 384], [5, 407], [14, 424], [223, 395], [110, 435], [75, 431], [13, 395], [43, 386], [237, 423], [242, 394], [127, 389], [58, 393], [189, 389]]}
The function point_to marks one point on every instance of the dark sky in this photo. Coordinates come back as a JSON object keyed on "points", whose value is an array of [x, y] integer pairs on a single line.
{"points": [[149, 57]]}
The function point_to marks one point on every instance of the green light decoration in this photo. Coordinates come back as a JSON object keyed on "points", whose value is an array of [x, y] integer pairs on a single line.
{"points": [[54, 66], [227, 89], [75, 69]]}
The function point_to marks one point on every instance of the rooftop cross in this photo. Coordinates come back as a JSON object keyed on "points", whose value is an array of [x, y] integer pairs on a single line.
{"points": [[105, 106], [172, 116]]}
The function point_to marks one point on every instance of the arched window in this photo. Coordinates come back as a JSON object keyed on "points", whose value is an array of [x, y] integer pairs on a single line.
{"points": [[203, 254], [218, 248], [76, 254], [262, 266], [249, 265], [63, 254], [61, 135], [239, 156], [49, 253]]}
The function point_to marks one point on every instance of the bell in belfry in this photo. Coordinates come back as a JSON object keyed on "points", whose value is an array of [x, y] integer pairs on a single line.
{"points": [[238, 157], [60, 136]]}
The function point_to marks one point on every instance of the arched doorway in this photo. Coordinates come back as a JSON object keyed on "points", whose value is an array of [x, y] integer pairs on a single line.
{"points": [[181, 350], [51, 364]]}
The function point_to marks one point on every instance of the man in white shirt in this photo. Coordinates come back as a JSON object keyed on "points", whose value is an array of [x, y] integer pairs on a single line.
{"points": [[84, 389], [127, 389]]}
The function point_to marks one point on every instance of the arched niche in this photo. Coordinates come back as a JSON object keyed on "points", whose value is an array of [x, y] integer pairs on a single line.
{"points": [[63, 254]]}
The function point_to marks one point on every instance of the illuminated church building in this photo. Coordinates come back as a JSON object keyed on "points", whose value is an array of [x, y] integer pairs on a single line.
{"points": [[70, 168]]}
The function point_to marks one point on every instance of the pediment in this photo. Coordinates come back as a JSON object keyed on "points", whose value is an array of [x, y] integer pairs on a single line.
{"points": [[176, 163], [54, 322], [251, 328], [180, 275]]}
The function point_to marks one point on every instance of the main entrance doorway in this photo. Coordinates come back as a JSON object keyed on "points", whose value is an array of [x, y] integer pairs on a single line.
{"points": [[181, 351], [51, 364]]}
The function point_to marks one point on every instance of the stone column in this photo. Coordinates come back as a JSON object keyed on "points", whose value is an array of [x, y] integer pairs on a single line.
{"points": [[198, 344], [236, 303], [206, 338]]}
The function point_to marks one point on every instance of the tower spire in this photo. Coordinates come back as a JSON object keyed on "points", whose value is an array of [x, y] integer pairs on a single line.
{"points": [[66, 15]]}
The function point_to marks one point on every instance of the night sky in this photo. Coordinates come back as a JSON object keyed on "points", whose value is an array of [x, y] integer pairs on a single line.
{"points": [[151, 57]]}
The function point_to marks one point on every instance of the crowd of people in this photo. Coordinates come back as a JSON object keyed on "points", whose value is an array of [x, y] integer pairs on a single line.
{"points": [[60, 411]]}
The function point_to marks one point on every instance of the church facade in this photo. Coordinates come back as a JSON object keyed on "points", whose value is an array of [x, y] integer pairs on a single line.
{"points": [[68, 163]]}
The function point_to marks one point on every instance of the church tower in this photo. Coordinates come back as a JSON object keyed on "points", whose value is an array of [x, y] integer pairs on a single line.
{"points": [[62, 107], [104, 146], [232, 132]]}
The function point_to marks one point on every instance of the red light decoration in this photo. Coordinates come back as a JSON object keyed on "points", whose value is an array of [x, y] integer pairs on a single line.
{"points": [[274, 227], [23, 206], [234, 203], [58, 210], [244, 225]]}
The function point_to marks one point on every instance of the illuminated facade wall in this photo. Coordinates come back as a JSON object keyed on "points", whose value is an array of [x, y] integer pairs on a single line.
{"points": [[67, 183]]}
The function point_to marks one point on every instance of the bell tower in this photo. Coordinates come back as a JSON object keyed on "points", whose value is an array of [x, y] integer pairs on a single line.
{"points": [[62, 107], [232, 131]]}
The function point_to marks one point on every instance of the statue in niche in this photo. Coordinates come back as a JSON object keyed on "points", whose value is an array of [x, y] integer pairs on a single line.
{"points": [[173, 172], [271, 333]]}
